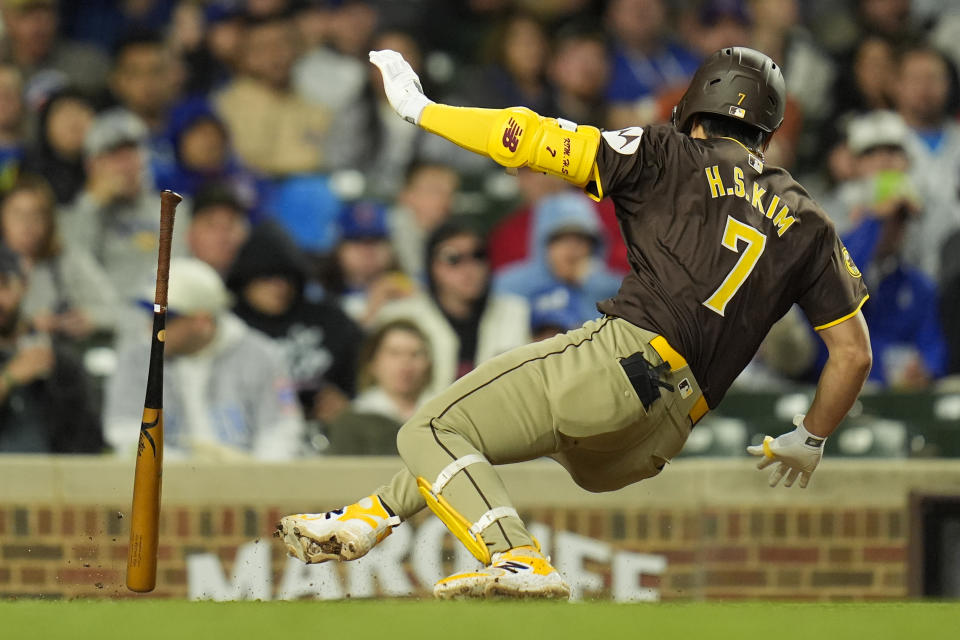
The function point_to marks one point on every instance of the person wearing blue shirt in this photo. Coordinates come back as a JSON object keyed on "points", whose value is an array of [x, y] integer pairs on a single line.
{"points": [[884, 209], [644, 59], [903, 314], [566, 259]]}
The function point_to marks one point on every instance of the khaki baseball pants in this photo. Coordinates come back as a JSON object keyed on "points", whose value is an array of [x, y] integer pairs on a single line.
{"points": [[568, 398]]}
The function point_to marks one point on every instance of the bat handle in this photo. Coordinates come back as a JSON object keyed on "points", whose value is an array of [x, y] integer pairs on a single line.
{"points": [[168, 209]]}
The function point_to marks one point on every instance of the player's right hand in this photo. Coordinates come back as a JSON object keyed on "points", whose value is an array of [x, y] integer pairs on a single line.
{"points": [[401, 84], [798, 453]]}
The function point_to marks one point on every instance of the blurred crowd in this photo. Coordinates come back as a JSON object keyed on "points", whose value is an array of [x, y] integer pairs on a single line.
{"points": [[334, 265]]}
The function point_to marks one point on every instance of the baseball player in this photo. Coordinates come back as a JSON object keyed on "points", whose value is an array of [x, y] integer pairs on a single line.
{"points": [[720, 247]]}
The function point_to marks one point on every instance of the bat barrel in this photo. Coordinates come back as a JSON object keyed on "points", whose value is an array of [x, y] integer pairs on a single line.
{"points": [[145, 514]]}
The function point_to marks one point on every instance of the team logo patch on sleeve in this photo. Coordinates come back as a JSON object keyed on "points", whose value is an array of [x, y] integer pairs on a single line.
{"points": [[848, 263], [625, 141]]}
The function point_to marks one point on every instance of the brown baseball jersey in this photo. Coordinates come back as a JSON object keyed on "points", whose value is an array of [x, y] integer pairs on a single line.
{"points": [[720, 247]]}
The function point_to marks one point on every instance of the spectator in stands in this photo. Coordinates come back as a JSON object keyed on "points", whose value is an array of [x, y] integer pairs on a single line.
{"points": [[269, 278], [218, 227], [67, 292], [394, 373], [144, 80], [201, 154], [713, 25], [363, 273], [355, 24], [465, 323], [567, 259], [388, 149], [554, 311], [511, 240], [116, 216], [579, 70], [645, 58], [227, 392], [923, 100], [950, 300], [889, 19], [864, 82], [903, 311], [808, 72], [876, 142], [336, 82], [514, 69], [47, 63], [315, 23], [105, 22], [205, 37], [718, 24], [273, 129], [422, 206], [11, 125], [870, 77], [64, 121], [45, 399]]}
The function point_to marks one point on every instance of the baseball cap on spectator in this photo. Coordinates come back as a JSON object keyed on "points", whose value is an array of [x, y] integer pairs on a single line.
{"points": [[363, 220], [194, 287], [565, 213], [713, 11], [114, 129], [10, 262], [553, 308], [876, 129]]}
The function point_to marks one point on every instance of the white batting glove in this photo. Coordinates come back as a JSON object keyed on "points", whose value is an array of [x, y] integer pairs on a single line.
{"points": [[401, 84], [798, 453]]}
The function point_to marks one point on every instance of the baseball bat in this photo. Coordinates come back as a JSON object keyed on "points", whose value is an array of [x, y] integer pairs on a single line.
{"points": [[148, 477]]}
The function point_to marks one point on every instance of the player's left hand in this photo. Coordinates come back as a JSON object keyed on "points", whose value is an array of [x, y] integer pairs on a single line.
{"points": [[798, 453], [401, 84]]}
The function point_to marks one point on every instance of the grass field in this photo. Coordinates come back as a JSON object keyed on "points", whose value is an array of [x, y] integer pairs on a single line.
{"points": [[389, 619]]}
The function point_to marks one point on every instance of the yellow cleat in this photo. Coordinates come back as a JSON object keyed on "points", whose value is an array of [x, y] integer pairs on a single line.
{"points": [[521, 572], [347, 533]]}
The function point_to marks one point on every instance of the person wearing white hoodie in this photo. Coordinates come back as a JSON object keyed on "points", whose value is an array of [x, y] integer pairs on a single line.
{"points": [[228, 392]]}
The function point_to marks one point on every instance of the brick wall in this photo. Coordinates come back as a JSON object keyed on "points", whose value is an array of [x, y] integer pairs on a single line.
{"points": [[723, 532], [65, 552]]}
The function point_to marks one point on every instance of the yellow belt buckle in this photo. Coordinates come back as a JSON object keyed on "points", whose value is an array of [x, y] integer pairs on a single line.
{"points": [[676, 361]]}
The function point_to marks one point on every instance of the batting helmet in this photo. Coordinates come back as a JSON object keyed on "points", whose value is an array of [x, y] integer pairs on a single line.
{"points": [[738, 83]]}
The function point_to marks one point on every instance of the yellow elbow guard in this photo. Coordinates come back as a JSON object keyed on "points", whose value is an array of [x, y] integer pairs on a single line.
{"points": [[518, 137]]}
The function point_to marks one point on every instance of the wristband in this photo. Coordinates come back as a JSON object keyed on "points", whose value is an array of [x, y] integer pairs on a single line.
{"points": [[808, 438], [8, 380]]}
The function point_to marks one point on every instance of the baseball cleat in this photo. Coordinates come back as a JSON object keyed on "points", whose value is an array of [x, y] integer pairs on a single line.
{"points": [[522, 572], [346, 533]]}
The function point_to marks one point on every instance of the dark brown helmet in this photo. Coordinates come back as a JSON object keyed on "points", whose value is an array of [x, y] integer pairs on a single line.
{"points": [[738, 83]]}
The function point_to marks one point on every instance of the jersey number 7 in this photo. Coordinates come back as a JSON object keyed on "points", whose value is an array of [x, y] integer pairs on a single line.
{"points": [[733, 232]]}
